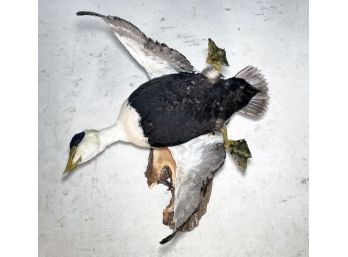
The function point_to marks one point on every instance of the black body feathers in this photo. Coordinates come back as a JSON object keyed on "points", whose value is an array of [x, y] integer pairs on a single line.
{"points": [[178, 107]]}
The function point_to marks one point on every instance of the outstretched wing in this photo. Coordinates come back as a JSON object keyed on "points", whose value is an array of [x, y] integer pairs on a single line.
{"points": [[156, 58], [196, 161], [188, 171]]}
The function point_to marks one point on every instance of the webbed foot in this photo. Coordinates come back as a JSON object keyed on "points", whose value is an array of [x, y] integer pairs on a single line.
{"points": [[238, 149], [216, 56]]}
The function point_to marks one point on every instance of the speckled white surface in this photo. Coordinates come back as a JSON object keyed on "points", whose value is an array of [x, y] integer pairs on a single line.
{"points": [[105, 207]]}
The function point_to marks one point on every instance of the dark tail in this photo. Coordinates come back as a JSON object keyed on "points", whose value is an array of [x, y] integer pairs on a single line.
{"points": [[81, 13], [258, 104]]}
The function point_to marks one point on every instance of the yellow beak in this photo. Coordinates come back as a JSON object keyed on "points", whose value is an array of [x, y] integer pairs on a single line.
{"points": [[70, 166]]}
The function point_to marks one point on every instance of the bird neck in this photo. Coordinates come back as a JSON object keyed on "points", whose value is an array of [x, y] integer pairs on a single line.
{"points": [[110, 135]]}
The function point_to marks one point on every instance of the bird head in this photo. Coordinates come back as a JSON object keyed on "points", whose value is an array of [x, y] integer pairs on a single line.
{"points": [[83, 147], [216, 55]]}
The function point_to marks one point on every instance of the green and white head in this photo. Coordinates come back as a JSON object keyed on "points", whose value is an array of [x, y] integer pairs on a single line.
{"points": [[83, 147]]}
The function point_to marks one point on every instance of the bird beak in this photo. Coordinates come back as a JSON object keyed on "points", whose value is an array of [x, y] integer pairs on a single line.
{"points": [[70, 165]]}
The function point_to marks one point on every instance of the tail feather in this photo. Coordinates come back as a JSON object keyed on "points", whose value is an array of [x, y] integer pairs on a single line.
{"points": [[258, 104]]}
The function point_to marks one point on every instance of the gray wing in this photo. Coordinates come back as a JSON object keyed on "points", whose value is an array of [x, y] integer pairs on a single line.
{"points": [[196, 161], [156, 58]]}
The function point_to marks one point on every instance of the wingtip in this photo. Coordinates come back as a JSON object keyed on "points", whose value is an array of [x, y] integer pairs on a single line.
{"points": [[168, 238], [82, 13]]}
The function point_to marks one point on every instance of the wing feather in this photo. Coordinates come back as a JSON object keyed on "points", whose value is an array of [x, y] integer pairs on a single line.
{"points": [[196, 162], [156, 58]]}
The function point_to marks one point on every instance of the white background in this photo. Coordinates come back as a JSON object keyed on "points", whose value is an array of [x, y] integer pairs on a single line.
{"points": [[105, 207], [19, 123]]}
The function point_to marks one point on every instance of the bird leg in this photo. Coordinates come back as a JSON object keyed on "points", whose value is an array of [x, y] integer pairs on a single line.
{"points": [[216, 58], [238, 149]]}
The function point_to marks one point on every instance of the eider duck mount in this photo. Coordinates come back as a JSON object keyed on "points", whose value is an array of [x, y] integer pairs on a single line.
{"points": [[181, 116]]}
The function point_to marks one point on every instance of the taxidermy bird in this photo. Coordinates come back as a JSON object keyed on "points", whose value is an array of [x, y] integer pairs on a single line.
{"points": [[171, 109], [180, 114]]}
